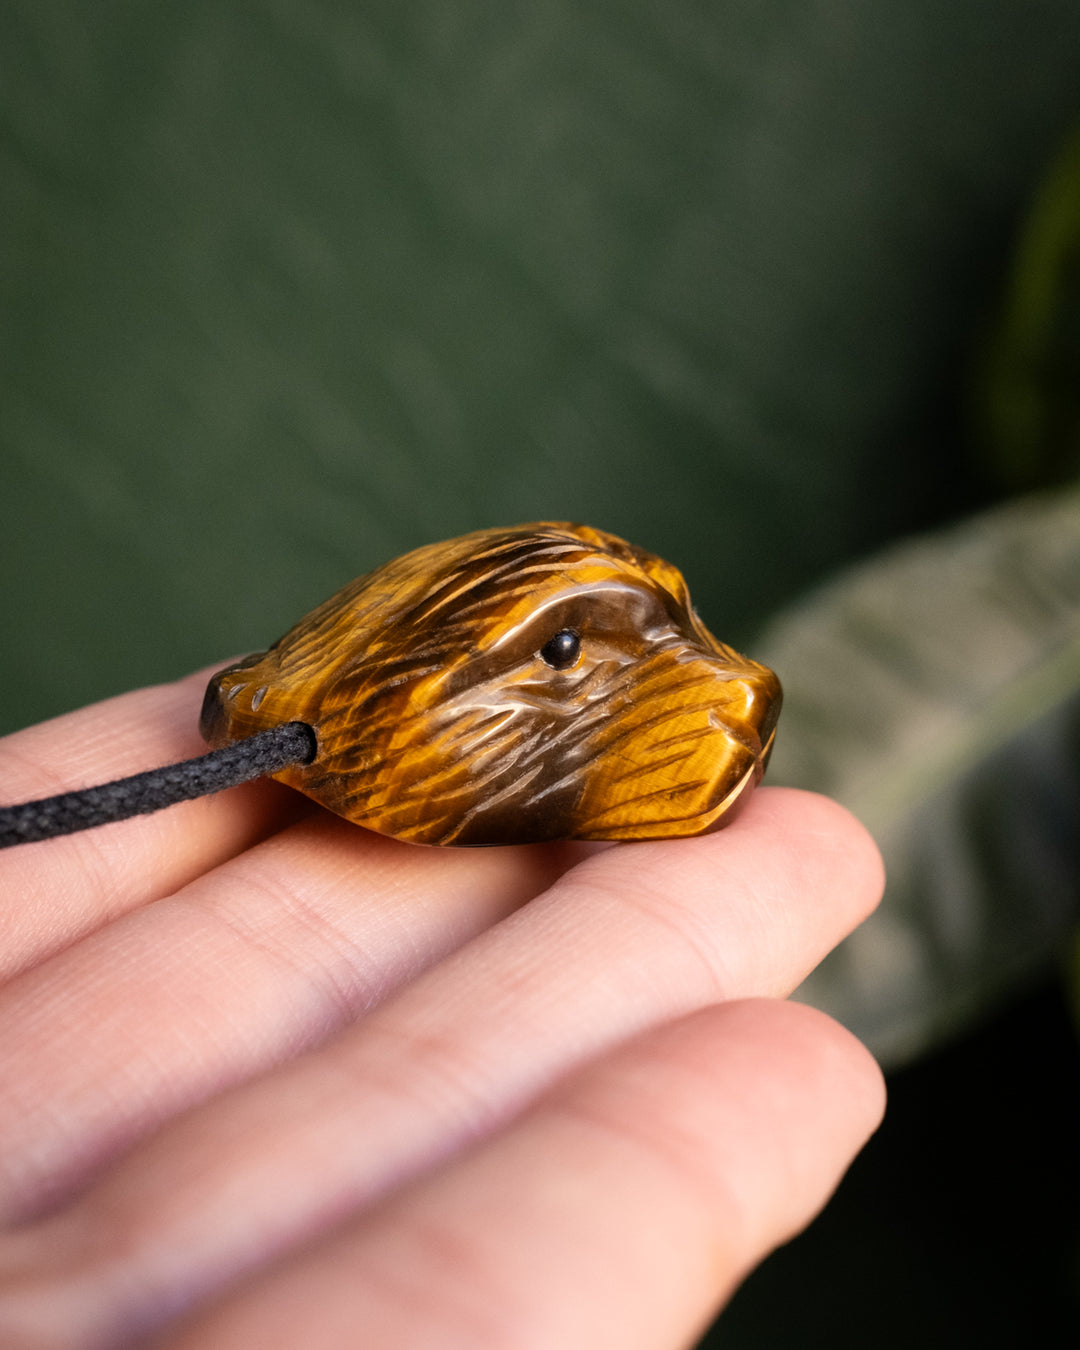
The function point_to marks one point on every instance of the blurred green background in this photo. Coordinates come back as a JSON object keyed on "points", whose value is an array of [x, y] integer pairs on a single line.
{"points": [[786, 292]]}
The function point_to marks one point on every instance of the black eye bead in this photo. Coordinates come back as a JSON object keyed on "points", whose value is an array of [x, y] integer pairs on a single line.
{"points": [[563, 650]]}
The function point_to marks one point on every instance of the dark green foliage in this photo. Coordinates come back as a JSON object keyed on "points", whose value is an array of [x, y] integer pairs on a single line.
{"points": [[288, 288]]}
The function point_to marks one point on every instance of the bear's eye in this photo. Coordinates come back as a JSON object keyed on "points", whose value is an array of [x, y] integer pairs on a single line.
{"points": [[563, 650]]}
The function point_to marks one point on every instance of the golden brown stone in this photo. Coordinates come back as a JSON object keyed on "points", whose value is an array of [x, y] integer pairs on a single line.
{"points": [[547, 681]]}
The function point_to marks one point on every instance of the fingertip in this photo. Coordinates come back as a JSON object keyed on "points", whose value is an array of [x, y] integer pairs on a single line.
{"points": [[784, 1082], [857, 1080], [822, 823]]}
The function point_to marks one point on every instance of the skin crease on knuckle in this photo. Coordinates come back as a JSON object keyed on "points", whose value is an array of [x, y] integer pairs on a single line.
{"points": [[603, 710], [275, 952]]}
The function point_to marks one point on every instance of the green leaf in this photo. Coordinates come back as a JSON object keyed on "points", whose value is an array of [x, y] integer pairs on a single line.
{"points": [[1027, 386], [936, 692]]}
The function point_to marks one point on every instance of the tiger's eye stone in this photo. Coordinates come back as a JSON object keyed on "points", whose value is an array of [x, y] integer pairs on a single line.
{"points": [[547, 681]]}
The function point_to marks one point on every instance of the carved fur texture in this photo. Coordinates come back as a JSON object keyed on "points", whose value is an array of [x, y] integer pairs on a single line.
{"points": [[439, 721]]}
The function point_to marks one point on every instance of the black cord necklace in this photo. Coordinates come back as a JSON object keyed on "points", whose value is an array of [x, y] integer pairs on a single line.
{"points": [[266, 752]]}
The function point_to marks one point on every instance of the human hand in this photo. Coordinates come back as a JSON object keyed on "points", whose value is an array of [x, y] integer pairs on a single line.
{"points": [[268, 1079]]}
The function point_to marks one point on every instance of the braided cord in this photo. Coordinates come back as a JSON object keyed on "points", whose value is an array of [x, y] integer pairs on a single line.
{"points": [[264, 753]]}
